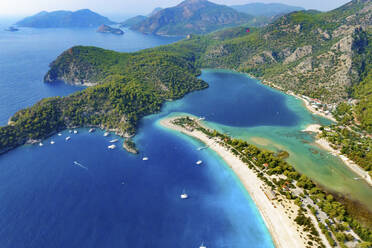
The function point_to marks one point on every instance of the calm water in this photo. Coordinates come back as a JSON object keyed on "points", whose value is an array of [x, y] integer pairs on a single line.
{"points": [[279, 128], [110, 198], [25, 57]]}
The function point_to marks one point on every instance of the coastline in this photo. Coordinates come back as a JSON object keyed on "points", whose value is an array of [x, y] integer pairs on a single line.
{"points": [[282, 228], [304, 100], [323, 143]]}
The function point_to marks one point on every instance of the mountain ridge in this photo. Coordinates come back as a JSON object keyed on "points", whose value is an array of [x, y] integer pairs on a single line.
{"points": [[266, 9], [191, 17]]}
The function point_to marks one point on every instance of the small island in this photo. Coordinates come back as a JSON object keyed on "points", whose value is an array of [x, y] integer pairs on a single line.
{"points": [[130, 146], [83, 18], [107, 29], [12, 29]]}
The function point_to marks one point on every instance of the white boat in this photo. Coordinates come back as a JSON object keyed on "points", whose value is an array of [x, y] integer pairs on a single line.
{"points": [[114, 141], [70, 131], [40, 144], [111, 147], [199, 162], [106, 134], [75, 131], [203, 246], [201, 119], [59, 134], [184, 195], [52, 142], [202, 148], [91, 130], [145, 159], [68, 138]]}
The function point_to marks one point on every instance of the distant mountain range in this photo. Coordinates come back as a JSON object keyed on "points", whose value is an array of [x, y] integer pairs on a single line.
{"points": [[133, 21], [267, 10], [155, 11], [202, 16], [65, 19], [191, 16], [138, 19]]}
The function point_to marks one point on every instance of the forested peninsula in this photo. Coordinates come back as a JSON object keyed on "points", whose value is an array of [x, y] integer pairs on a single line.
{"points": [[127, 87]]}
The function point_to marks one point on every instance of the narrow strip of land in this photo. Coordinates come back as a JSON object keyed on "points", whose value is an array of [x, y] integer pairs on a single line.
{"points": [[282, 228]]}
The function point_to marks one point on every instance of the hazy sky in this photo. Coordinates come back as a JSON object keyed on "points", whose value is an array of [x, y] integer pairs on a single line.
{"points": [[27, 7]]}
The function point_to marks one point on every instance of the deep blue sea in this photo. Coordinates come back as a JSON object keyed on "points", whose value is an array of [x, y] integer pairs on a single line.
{"points": [[110, 198]]}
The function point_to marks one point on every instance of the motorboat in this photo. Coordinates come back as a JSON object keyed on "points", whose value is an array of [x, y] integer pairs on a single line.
{"points": [[184, 195], [111, 147]]}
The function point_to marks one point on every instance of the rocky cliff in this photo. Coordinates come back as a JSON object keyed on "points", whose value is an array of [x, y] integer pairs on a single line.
{"points": [[310, 53]]}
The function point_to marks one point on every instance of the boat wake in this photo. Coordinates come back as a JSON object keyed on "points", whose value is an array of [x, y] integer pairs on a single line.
{"points": [[80, 165]]}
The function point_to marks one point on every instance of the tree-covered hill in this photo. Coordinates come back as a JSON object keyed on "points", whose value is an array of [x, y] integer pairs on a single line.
{"points": [[128, 87], [191, 17]]}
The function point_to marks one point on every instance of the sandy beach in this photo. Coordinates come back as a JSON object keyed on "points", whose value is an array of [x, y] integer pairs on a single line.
{"points": [[312, 128], [282, 228], [363, 175]]}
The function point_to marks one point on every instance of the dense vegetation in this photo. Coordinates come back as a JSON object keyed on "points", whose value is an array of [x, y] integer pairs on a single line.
{"points": [[130, 86], [363, 91]]}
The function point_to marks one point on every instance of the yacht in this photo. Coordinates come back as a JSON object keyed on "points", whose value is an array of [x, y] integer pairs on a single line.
{"points": [[111, 147], [199, 162], [106, 134], [52, 142], [184, 195], [91, 130], [68, 138], [75, 131], [145, 159], [59, 134], [40, 144], [114, 141]]}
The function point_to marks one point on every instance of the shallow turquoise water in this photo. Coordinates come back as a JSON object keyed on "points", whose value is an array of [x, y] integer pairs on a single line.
{"points": [[305, 156]]}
